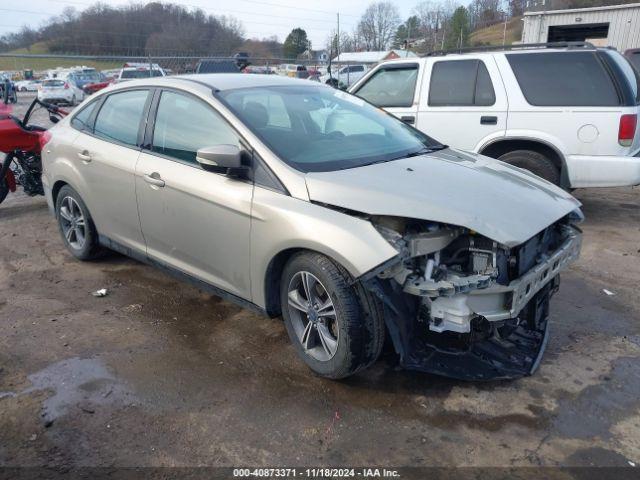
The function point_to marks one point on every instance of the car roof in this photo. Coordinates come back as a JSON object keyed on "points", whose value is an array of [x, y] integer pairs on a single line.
{"points": [[484, 54], [223, 81]]}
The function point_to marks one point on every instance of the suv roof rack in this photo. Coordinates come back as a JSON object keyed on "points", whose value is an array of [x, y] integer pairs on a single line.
{"points": [[522, 46]]}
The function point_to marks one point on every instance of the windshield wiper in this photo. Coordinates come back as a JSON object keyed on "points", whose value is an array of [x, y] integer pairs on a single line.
{"points": [[422, 151]]}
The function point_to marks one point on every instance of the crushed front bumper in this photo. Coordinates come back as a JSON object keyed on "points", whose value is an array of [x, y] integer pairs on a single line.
{"points": [[507, 338]]}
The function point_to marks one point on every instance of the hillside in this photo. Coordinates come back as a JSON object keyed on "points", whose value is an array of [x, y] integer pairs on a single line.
{"points": [[492, 35]]}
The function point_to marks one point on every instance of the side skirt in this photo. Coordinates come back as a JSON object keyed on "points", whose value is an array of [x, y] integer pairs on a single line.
{"points": [[180, 275]]}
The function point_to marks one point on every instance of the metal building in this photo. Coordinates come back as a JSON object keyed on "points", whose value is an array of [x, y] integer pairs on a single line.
{"points": [[616, 26]]}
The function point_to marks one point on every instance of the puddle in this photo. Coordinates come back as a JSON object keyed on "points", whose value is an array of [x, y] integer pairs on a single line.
{"points": [[78, 384]]}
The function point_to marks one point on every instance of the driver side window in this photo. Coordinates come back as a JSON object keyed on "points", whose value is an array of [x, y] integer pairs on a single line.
{"points": [[185, 124], [391, 87]]}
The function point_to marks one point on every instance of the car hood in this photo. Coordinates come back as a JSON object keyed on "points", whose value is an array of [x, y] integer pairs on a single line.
{"points": [[502, 202]]}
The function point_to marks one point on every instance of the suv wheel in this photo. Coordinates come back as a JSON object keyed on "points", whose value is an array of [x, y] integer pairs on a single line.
{"points": [[335, 327], [76, 226], [535, 162]]}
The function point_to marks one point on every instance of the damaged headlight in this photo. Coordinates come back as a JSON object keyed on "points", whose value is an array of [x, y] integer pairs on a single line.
{"points": [[441, 261]]}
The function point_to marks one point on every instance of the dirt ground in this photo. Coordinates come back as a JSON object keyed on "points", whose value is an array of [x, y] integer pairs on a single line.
{"points": [[159, 374]]}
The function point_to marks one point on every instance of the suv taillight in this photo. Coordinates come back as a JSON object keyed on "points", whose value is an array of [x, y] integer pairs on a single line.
{"points": [[66, 86], [627, 130]]}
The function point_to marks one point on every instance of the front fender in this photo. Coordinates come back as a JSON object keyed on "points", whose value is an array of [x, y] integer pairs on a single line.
{"points": [[281, 222]]}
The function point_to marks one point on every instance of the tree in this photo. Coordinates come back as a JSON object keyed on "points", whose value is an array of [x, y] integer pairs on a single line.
{"points": [[407, 31], [378, 25], [296, 43], [459, 28], [434, 16]]}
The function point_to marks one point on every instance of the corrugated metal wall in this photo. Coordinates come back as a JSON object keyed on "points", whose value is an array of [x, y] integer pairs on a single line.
{"points": [[624, 25]]}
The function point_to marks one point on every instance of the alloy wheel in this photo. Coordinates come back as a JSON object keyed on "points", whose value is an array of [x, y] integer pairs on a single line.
{"points": [[313, 316], [73, 223]]}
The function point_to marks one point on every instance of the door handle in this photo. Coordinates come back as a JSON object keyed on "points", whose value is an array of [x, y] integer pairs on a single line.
{"points": [[154, 179], [85, 156], [488, 120], [410, 119]]}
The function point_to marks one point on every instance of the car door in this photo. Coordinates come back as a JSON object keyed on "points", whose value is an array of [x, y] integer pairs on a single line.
{"points": [[194, 221], [392, 86], [106, 152], [463, 102]]}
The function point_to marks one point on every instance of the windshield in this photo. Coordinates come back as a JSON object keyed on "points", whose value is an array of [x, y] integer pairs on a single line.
{"points": [[143, 73], [319, 129], [84, 78]]}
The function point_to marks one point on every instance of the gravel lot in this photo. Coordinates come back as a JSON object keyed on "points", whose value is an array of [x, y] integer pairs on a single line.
{"points": [[159, 374]]}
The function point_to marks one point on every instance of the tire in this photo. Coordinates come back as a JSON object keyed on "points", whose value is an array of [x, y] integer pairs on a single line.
{"points": [[357, 327], [73, 100], [89, 248], [535, 162], [4, 189]]}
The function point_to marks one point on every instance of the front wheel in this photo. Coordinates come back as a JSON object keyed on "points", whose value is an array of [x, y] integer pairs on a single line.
{"points": [[76, 225], [336, 328], [4, 189]]}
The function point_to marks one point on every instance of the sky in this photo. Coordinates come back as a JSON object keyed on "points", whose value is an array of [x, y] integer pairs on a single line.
{"points": [[260, 18]]}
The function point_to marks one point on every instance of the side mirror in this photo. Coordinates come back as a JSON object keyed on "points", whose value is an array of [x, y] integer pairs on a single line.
{"points": [[53, 119], [221, 159]]}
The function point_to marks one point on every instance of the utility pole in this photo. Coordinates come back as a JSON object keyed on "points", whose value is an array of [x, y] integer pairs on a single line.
{"points": [[338, 39], [504, 31], [406, 45]]}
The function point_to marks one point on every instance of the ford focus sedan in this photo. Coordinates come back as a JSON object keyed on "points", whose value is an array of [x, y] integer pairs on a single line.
{"points": [[301, 201]]}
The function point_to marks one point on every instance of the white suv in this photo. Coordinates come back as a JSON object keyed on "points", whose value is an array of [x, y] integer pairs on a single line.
{"points": [[346, 76], [568, 114]]}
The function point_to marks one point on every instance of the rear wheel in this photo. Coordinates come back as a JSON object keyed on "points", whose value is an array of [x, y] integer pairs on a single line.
{"points": [[336, 328], [76, 226], [535, 162]]}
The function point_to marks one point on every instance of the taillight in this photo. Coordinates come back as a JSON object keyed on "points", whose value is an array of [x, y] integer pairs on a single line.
{"points": [[66, 86], [627, 130], [44, 139]]}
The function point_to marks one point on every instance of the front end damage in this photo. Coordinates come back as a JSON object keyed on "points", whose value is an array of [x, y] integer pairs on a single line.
{"points": [[461, 305]]}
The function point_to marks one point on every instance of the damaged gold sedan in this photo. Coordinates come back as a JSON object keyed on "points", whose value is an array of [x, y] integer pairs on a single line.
{"points": [[299, 200]]}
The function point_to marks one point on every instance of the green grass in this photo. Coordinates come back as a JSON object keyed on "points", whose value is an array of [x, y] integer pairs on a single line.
{"points": [[492, 35], [20, 63]]}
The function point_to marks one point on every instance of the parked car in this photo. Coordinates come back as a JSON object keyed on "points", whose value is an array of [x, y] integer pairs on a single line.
{"points": [[91, 88], [217, 65], [344, 76], [81, 78], [294, 70], [569, 115], [133, 70], [633, 55], [27, 85], [296, 199], [55, 90]]}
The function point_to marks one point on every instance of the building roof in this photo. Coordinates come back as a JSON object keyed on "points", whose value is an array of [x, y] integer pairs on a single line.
{"points": [[582, 10], [370, 57]]}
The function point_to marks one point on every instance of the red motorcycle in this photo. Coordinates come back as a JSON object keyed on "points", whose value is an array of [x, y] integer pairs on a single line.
{"points": [[23, 143]]}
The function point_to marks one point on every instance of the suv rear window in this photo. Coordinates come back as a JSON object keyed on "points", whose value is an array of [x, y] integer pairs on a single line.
{"points": [[564, 79], [461, 83]]}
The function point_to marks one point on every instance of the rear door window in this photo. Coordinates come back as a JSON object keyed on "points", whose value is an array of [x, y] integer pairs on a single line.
{"points": [[391, 87], [120, 115], [461, 83], [81, 120], [569, 79]]}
